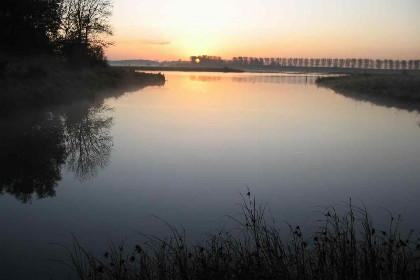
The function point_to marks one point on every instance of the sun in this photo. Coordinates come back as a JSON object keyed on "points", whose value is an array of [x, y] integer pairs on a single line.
{"points": [[197, 60]]}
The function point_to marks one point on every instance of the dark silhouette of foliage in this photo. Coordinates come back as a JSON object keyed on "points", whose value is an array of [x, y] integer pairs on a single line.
{"points": [[31, 155], [72, 28], [83, 25], [29, 25], [416, 64]]}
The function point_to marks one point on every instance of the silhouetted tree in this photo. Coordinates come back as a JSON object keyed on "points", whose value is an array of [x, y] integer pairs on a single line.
{"points": [[360, 63], [266, 61], [29, 25], [317, 62], [410, 64], [300, 62], [391, 63], [272, 61], [329, 62], [347, 62], [365, 63], [84, 23]]}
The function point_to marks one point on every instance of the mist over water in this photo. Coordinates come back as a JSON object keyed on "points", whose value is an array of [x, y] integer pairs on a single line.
{"points": [[184, 151]]}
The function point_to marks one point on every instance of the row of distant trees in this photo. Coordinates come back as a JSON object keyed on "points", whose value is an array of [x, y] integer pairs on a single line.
{"points": [[311, 62], [207, 59], [72, 28]]}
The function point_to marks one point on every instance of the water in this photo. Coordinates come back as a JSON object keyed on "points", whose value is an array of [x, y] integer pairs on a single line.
{"points": [[184, 151]]}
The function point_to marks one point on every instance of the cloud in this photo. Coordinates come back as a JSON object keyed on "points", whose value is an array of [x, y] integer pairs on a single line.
{"points": [[151, 42]]}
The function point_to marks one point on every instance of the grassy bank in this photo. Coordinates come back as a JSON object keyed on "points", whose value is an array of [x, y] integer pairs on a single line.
{"points": [[45, 81], [401, 91], [345, 246]]}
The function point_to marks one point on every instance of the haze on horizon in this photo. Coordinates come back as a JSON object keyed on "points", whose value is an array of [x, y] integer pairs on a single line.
{"points": [[169, 30]]}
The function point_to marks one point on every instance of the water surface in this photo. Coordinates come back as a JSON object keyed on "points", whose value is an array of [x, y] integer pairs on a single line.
{"points": [[184, 151]]}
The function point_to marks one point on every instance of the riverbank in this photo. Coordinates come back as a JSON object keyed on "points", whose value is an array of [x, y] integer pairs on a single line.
{"points": [[181, 68], [236, 68], [401, 91], [46, 81]]}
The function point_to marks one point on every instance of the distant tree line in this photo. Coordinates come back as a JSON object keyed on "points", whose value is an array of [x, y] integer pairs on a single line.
{"points": [[207, 59], [74, 29], [362, 63]]}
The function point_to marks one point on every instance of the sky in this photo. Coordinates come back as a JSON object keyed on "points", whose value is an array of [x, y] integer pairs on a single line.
{"points": [[176, 29]]}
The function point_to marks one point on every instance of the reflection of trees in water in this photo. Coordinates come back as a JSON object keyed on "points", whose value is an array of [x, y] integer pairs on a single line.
{"points": [[203, 78], [277, 79], [32, 152], [410, 105], [88, 140], [384, 101], [34, 147]]}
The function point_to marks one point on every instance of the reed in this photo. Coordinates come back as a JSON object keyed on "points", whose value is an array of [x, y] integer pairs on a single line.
{"points": [[344, 246]]}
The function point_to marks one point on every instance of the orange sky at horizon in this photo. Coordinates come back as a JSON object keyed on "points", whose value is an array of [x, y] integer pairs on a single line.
{"points": [[265, 28]]}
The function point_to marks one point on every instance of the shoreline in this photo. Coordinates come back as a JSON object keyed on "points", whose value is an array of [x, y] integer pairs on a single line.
{"points": [[53, 82], [181, 68], [269, 70], [399, 91]]}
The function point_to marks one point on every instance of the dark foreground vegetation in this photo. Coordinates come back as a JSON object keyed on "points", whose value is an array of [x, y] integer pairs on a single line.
{"points": [[399, 90], [345, 246], [52, 51]]}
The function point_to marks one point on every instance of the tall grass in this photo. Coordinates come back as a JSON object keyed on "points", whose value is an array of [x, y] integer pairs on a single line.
{"points": [[344, 246]]}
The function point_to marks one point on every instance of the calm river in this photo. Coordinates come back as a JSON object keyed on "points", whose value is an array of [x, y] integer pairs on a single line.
{"points": [[103, 170]]}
